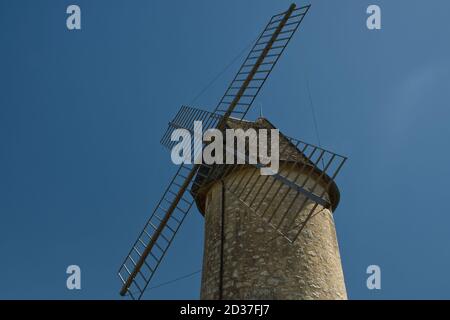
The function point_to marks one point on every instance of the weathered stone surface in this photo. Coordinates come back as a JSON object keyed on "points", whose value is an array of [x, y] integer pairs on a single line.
{"points": [[259, 263]]}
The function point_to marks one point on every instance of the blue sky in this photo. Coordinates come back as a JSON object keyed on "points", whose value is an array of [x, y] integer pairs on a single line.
{"points": [[82, 113]]}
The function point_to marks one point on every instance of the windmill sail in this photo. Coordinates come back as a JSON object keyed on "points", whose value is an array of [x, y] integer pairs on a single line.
{"points": [[260, 61], [136, 271], [184, 119], [157, 235], [296, 184]]}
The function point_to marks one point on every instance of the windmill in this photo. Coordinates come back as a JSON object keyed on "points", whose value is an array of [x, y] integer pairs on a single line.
{"points": [[277, 208]]}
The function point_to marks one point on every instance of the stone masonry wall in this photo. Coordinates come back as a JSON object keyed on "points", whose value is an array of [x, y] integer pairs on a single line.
{"points": [[259, 263]]}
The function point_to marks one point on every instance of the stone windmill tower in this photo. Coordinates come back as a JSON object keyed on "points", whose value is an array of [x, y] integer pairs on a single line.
{"points": [[266, 236]]}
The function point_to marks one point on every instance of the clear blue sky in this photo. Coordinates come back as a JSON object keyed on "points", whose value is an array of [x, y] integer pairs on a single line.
{"points": [[82, 113]]}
